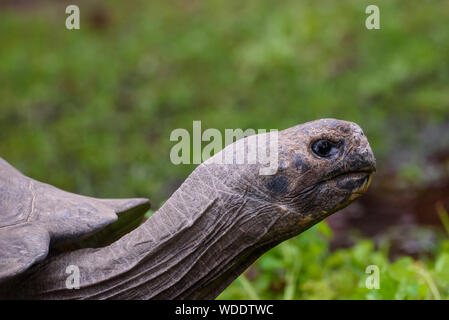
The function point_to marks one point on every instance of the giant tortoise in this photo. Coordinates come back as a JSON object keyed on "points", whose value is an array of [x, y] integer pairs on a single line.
{"points": [[220, 220]]}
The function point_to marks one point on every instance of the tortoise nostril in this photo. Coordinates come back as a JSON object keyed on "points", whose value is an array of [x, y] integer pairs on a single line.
{"points": [[361, 159]]}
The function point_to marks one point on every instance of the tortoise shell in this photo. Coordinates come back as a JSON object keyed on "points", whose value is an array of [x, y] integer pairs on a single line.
{"points": [[36, 217]]}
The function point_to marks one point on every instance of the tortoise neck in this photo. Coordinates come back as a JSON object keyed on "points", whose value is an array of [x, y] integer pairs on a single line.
{"points": [[201, 239]]}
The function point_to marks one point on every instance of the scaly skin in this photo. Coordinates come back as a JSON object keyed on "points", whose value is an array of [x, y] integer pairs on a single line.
{"points": [[221, 219]]}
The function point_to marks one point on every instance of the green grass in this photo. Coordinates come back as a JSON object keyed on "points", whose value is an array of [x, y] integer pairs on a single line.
{"points": [[305, 268], [92, 110]]}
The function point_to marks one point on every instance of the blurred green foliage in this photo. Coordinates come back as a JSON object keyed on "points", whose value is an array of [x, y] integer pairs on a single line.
{"points": [[305, 268], [91, 111]]}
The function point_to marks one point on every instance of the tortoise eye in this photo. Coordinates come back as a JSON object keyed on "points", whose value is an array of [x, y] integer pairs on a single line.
{"points": [[325, 148]]}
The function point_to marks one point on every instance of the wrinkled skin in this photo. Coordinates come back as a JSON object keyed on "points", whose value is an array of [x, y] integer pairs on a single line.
{"points": [[221, 219]]}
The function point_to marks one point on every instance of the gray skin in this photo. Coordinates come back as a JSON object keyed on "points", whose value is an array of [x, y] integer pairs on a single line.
{"points": [[221, 219]]}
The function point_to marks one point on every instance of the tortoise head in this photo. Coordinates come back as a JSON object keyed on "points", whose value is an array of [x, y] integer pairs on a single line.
{"points": [[322, 166]]}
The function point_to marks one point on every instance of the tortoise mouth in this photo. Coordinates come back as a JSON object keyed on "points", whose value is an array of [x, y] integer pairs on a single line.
{"points": [[356, 182]]}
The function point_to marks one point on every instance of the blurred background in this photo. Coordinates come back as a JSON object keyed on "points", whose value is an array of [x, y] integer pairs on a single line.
{"points": [[91, 111]]}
